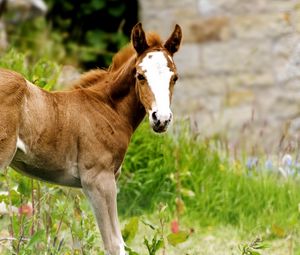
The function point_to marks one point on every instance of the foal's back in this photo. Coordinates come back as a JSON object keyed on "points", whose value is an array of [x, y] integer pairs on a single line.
{"points": [[51, 135], [40, 130]]}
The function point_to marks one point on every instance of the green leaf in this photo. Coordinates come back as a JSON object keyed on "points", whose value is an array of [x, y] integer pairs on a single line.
{"points": [[36, 238], [4, 198], [149, 224], [154, 246], [98, 5], [130, 229], [159, 244], [187, 192], [260, 246], [24, 187], [177, 238], [255, 253], [15, 197], [116, 11], [48, 87], [130, 251]]}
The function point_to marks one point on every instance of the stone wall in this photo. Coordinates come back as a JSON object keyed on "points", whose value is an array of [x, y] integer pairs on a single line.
{"points": [[239, 65]]}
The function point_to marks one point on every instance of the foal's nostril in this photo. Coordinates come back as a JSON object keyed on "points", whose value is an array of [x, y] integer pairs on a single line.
{"points": [[154, 116]]}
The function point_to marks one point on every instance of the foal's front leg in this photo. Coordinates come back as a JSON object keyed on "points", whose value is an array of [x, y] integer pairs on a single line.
{"points": [[101, 191]]}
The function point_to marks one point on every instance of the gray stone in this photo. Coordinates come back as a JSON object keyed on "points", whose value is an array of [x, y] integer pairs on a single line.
{"points": [[188, 60], [215, 7], [259, 26], [287, 59], [202, 30], [238, 56]]}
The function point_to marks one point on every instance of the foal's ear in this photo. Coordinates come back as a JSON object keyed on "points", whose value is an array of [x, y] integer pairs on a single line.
{"points": [[173, 43], [138, 39]]}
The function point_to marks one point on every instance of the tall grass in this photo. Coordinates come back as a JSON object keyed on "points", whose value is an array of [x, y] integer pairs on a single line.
{"points": [[147, 169], [215, 190]]}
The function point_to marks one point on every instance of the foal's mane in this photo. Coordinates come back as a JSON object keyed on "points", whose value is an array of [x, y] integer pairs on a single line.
{"points": [[97, 76]]}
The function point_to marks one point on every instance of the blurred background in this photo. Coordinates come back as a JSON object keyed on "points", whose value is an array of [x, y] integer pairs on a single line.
{"points": [[239, 62], [72, 32], [239, 66]]}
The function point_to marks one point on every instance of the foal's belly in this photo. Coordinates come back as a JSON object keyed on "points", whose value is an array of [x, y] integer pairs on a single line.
{"points": [[50, 174]]}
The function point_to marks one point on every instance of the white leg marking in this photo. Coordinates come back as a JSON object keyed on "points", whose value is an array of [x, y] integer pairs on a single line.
{"points": [[21, 145]]}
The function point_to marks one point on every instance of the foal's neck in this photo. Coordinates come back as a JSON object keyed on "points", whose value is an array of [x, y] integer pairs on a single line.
{"points": [[122, 94]]}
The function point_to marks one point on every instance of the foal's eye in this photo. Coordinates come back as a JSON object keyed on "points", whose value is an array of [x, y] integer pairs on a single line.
{"points": [[140, 77], [175, 78]]}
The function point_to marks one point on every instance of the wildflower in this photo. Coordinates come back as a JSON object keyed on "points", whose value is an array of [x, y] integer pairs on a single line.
{"points": [[287, 160], [269, 164], [5, 209], [252, 163], [175, 226], [26, 209], [287, 166]]}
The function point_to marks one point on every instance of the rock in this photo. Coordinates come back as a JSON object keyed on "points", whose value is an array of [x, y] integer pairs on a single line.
{"points": [[238, 56], [259, 26], [205, 30], [233, 7], [188, 60]]}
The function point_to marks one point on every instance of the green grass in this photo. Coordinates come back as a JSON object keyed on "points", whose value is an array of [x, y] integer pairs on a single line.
{"points": [[214, 190]]}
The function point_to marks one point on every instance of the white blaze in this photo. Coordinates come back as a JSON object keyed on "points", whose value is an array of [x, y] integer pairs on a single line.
{"points": [[158, 75]]}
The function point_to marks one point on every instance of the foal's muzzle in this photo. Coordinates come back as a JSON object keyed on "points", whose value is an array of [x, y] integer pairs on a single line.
{"points": [[160, 122]]}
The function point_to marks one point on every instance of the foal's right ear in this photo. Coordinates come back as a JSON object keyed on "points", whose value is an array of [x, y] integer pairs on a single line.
{"points": [[138, 39], [173, 43]]}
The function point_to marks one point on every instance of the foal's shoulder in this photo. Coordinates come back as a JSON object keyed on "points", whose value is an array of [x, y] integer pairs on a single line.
{"points": [[9, 75], [12, 86]]}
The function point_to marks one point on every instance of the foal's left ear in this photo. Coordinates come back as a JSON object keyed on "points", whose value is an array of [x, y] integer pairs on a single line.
{"points": [[173, 43], [138, 39]]}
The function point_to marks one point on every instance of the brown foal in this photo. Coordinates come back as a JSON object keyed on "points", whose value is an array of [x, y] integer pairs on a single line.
{"points": [[79, 138]]}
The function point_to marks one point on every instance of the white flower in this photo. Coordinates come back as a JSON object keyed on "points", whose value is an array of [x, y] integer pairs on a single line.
{"points": [[4, 209], [287, 160]]}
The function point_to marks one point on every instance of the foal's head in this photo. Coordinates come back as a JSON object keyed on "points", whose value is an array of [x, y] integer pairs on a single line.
{"points": [[156, 75]]}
